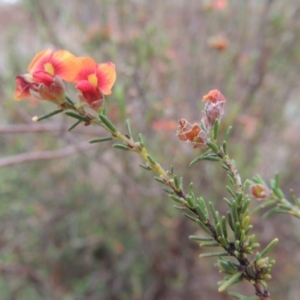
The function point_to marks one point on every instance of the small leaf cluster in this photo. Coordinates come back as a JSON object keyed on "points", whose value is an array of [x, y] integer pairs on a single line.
{"points": [[277, 199]]}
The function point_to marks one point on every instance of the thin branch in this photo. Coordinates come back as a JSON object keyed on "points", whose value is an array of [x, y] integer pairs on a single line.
{"points": [[44, 155], [45, 127]]}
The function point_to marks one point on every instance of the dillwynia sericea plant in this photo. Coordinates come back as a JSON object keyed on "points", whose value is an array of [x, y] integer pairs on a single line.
{"points": [[230, 234]]}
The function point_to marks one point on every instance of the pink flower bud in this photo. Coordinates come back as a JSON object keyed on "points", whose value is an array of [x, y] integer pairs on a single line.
{"points": [[214, 108]]}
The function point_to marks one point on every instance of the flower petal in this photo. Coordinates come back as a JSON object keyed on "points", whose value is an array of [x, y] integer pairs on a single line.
{"points": [[23, 84], [65, 64], [87, 66], [214, 96], [90, 93], [106, 74], [37, 63], [61, 63]]}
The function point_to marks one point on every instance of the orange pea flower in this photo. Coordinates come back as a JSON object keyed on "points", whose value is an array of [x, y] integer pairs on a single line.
{"points": [[94, 81], [47, 71], [191, 133]]}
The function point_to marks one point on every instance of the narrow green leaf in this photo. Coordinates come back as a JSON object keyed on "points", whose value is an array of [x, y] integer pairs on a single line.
{"points": [[248, 229], [176, 182], [70, 100], [227, 133], [241, 297], [286, 207], [243, 236], [168, 191], [203, 207], [237, 230], [245, 222], [77, 116], [174, 197], [245, 205], [212, 158], [230, 191], [46, 116], [213, 212], [200, 238], [201, 213], [121, 146], [224, 147], [141, 140], [146, 167], [74, 125], [224, 227], [202, 225], [231, 179], [234, 211], [255, 245], [190, 217], [201, 157], [239, 199], [269, 247], [128, 127], [227, 201], [278, 192], [108, 123], [216, 129], [225, 167], [190, 201], [258, 179], [105, 139], [209, 244], [223, 241], [179, 207], [213, 146], [219, 229], [151, 159], [211, 254], [263, 205], [274, 210], [234, 279], [158, 179], [230, 220], [172, 169]]}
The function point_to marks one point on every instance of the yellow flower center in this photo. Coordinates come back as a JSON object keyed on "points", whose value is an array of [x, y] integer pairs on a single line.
{"points": [[93, 79], [49, 68]]}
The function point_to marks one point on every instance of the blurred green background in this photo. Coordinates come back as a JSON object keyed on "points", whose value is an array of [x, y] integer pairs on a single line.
{"points": [[86, 223]]}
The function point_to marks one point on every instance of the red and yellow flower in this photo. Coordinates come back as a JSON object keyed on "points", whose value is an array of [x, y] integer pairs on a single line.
{"points": [[94, 81], [47, 71]]}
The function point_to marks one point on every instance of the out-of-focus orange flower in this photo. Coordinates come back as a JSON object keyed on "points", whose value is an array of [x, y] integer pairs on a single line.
{"points": [[214, 108], [220, 4], [214, 96], [259, 191], [164, 125], [95, 80], [218, 43], [46, 72], [191, 133], [215, 5]]}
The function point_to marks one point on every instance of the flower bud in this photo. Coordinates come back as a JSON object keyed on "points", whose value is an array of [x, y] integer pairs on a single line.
{"points": [[214, 108], [259, 191]]}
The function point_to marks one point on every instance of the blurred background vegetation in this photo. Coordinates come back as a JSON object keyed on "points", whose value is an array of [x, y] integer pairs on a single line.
{"points": [[86, 223]]}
